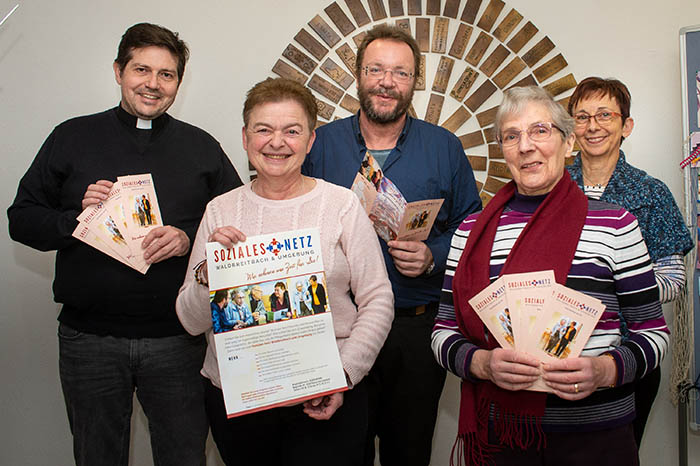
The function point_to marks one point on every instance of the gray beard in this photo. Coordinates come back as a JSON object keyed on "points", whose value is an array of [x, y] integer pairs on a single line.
{"points": [[383, 118]]}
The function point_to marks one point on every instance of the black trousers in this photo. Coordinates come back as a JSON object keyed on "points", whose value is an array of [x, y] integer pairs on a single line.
{"points": [[287, 436], [405, 386], [612, 447], [645, 391]]}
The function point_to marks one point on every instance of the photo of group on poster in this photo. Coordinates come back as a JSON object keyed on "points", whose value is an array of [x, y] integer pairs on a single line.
{"points": [[272, 301]]}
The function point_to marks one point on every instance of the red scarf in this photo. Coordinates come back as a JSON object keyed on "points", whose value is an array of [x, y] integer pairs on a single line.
{"points": [[548, 241]]}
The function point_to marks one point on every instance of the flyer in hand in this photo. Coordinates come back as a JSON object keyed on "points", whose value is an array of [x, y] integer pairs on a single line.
{"points": [[118, 225], [272, 321], [393, 217], [532, 313]]}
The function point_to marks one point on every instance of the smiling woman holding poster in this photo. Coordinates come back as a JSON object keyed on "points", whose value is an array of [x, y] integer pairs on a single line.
{"points": [[280, 116]]}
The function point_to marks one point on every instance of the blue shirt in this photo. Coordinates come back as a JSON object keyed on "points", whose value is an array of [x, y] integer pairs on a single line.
{"points": [[649, 200], [428, 162]]}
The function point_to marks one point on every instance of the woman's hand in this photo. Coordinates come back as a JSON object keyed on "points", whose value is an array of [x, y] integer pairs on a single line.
{"points": [[576, 378], [323, 408], [227, 236], [507, 368]]}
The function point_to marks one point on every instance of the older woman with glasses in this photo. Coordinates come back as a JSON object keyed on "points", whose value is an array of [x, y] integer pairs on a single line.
{"points": [[541, 221], [601, 111]]}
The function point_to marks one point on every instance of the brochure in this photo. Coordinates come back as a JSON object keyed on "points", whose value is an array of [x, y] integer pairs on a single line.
{"points": [[532, 313], [526, 294], [118, 225], [273, 324], [491, 306], [393, 217]]}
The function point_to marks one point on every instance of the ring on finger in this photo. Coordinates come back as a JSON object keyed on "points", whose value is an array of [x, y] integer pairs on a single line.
{"points": [[575, 388]]}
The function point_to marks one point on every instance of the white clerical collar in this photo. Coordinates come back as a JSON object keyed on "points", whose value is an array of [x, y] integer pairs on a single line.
{"points": [[144, 124]]}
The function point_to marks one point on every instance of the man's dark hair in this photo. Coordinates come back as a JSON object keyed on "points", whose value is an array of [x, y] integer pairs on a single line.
{"points": [[384, 31], [220, 295], [146, 35]]}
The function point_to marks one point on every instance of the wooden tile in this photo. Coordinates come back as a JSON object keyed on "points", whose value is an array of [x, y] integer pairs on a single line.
{"points": [[472, 140], [494, 60], [420, 80], [311, 45], [477, 162], [299, 58], [324, 30], [433, 8], [487, 117], [499, 169], [376, 9], [423, 34], [339, 18], [509, 72], [432, 114], [509, 23], [464, 83], [286, 70], [550, 68], [522, 37], [490, 134], [325, 88], [480, 96], [414, 7], [350, 103], [337, 74], [470, 11], [347, 55], [561, 85], [395, 8], [495, 151], [493, 185], [451, 8], [325, 110], [478, 49], [405, 25], [357, 10], [459, 44], [488, 18], [457, 119], [442, 74], [440, 35], [536, 53], [528, 80]]}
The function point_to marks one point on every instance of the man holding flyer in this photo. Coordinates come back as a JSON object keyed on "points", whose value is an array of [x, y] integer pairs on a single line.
{"points": [[118, 332], [423, 162]]}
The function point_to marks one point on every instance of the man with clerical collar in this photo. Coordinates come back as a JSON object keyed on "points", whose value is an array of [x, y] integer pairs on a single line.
{"points": [[424, 162], [118, 331]]}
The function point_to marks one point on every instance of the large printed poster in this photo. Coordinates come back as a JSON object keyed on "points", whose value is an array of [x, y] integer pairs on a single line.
{"points": [[273, 325]]}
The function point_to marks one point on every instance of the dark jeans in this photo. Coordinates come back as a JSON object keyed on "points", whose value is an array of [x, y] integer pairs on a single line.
{"points": [[286, 436], [405, 386], [99, 375], [612, 447]]}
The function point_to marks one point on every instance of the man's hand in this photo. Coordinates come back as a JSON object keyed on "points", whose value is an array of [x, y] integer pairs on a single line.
{"points": [[96, 193], [163, 243], [324, 407], [411, 258]]}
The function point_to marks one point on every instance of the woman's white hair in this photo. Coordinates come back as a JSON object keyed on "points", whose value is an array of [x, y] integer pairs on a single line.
{"points": [[516, 99]]}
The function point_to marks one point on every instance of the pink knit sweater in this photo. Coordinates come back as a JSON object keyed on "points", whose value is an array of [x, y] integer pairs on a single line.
{"points": [[351, 256]]}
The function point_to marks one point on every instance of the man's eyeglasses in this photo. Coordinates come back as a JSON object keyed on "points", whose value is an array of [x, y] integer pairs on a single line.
{"points": [[537, 132], [377, 72], [603, 117]]}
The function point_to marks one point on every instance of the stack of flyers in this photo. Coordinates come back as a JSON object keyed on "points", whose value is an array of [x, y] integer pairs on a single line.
{"points": [[117, 226], [532, 313]]}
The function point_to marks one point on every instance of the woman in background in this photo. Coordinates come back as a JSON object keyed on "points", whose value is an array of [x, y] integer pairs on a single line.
{"points": [[601, 111]]}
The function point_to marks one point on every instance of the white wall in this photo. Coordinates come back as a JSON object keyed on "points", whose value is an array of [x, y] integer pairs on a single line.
{"points": [[55, 63]]}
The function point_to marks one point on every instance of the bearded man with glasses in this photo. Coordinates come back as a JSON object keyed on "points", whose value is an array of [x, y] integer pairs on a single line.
{"points": [[425, 162]]}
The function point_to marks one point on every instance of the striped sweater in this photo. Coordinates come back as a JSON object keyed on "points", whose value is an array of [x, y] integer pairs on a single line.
{"points": [[611, 263]]}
